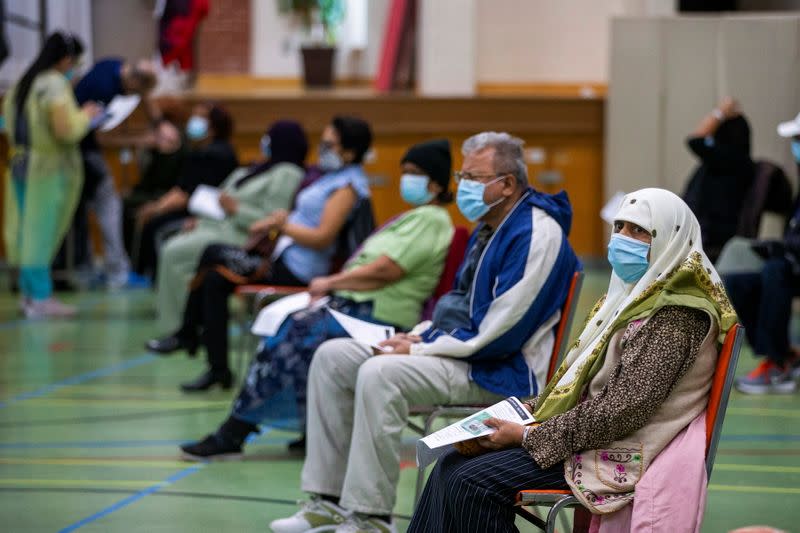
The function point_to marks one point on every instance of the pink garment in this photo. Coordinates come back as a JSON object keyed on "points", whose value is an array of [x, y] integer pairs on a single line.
{"points": [[671, 496]]}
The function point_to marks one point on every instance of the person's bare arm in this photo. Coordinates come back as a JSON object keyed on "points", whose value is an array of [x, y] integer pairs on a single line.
{"points": [[727, 108], [369, 277], [334, 215]]}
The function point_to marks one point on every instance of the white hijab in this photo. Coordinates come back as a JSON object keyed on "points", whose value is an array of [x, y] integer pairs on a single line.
{"points": [[676, 235]]}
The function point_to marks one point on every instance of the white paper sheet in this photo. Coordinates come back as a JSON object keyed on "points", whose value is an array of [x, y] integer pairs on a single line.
{"points": [[118, 109], [431, 447], [269, 319], [204, 202], [609, 211], [362, 331]]}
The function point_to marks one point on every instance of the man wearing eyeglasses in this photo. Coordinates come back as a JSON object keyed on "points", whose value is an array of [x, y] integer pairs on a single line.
{"points": [[490, 337]]}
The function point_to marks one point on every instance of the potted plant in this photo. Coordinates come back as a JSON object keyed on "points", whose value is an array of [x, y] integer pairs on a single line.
{"points": [[320, 19]]}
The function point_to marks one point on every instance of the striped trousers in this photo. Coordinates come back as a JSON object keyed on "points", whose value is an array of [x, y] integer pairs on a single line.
{"points": [[477, 494]]}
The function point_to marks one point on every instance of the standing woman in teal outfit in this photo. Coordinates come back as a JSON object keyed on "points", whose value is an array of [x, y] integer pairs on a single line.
{"points": [[42, 186]]}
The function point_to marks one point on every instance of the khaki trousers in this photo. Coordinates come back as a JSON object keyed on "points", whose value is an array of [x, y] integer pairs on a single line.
{"points": [[358, 406]]}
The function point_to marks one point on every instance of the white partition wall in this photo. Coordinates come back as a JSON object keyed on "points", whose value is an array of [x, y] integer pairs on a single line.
{"points": [[666, 73]]}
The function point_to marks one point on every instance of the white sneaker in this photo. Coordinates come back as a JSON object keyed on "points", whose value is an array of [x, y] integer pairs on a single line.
{"points": [[315, 516], [364, 524], [49, 308]]}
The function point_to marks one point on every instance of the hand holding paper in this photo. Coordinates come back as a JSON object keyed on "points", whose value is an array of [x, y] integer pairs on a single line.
{"points": [[478, 425], [360, 330]]}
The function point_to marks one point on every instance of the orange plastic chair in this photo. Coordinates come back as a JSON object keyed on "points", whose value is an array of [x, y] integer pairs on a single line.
{"points": [[433, 412], [715, 415]]}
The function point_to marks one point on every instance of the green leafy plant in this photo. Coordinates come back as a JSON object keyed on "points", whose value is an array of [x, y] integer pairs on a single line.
{"points": [[330, 13]]}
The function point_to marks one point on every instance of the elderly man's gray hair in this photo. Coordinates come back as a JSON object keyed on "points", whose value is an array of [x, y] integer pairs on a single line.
{"points": [[508, 155]]}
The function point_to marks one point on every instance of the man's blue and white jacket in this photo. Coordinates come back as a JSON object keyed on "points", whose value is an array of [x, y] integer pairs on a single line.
{"points": [[520, 285]]}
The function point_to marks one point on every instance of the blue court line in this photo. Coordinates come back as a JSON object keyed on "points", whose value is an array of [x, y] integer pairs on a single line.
{"points": [[80, 378], [134, 498], [149, 490]]}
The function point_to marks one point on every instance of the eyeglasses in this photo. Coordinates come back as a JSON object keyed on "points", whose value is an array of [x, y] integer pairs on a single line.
{"points": [[458, 176]]}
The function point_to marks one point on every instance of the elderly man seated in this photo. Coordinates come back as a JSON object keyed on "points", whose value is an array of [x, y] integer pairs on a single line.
{"points": [[490, 337]]}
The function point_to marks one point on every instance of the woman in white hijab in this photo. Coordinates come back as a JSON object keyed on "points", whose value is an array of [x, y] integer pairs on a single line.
{"points": [[638, 374]]}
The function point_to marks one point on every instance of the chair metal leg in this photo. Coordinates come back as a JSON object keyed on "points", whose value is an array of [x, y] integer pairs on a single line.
{"points": [[557, 507]]}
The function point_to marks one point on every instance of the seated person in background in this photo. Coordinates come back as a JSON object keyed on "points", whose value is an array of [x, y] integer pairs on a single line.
{"points": [[161, 165], [386, 282], [491, 336], [210, 160], [639, 373], [304, 251], [248, 195], [717, 188], [764, 299]]}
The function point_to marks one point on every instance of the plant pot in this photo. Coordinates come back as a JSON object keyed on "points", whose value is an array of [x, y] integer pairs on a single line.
{"points": [[318, 66]]}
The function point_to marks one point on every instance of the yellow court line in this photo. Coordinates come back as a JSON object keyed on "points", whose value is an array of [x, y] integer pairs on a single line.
{"points": [[763, 411], [733, 467], [754, 489], [90, 462], [80, 482]]}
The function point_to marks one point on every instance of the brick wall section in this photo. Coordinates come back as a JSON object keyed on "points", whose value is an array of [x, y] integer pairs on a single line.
{"points": [[224, 40]]}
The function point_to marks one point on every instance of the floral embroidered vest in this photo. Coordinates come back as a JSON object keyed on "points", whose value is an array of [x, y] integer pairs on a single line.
{"points": [[604, 480]]}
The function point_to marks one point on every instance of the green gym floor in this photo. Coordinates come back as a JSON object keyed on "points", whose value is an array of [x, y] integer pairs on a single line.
{"points": [[90, 426]]}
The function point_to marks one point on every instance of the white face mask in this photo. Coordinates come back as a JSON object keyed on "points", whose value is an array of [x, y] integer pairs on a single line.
{"points": [[329, 161]]}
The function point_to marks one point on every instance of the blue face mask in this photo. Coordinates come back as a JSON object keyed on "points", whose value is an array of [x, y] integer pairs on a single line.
{"points": [[414, 189], [628, 257], [796, 150], [196, 128], [266, 146], [469, 199], [329, 161]]}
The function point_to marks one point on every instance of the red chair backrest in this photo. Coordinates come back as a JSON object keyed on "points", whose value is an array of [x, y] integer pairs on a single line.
{"points": [[455, 255], [720, 390], [565, 324]]}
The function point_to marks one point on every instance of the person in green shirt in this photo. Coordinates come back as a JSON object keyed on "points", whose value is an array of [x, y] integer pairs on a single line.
{"points": [[45, 174], [386, 281]]}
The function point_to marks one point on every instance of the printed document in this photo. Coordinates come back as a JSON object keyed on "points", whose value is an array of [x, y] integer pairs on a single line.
{"points": [[360, 330], [204, 202], [118, 109], [270, 318], [431, 447]]}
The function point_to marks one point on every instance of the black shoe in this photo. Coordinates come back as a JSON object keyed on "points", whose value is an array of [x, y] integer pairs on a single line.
{"points": [[207, 380], [211, 448], [299, 445], [168, 345]]}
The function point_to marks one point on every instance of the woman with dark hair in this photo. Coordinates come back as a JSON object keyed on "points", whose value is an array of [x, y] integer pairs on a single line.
{"points": [[717, 189], [45, 126], [386, 282], [303, 252], [248, 195], [210, 160]]}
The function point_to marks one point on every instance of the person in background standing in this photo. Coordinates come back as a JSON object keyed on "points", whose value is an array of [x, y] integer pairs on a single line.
{"points": [[107, 79], [45, 125]]}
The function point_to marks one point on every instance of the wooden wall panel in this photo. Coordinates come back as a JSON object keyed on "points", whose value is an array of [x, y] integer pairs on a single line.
{"points": [[567, 131]]}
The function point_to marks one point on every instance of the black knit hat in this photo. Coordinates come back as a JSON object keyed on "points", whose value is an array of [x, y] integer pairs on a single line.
{"points": [[434, 158], [354, 134]]}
